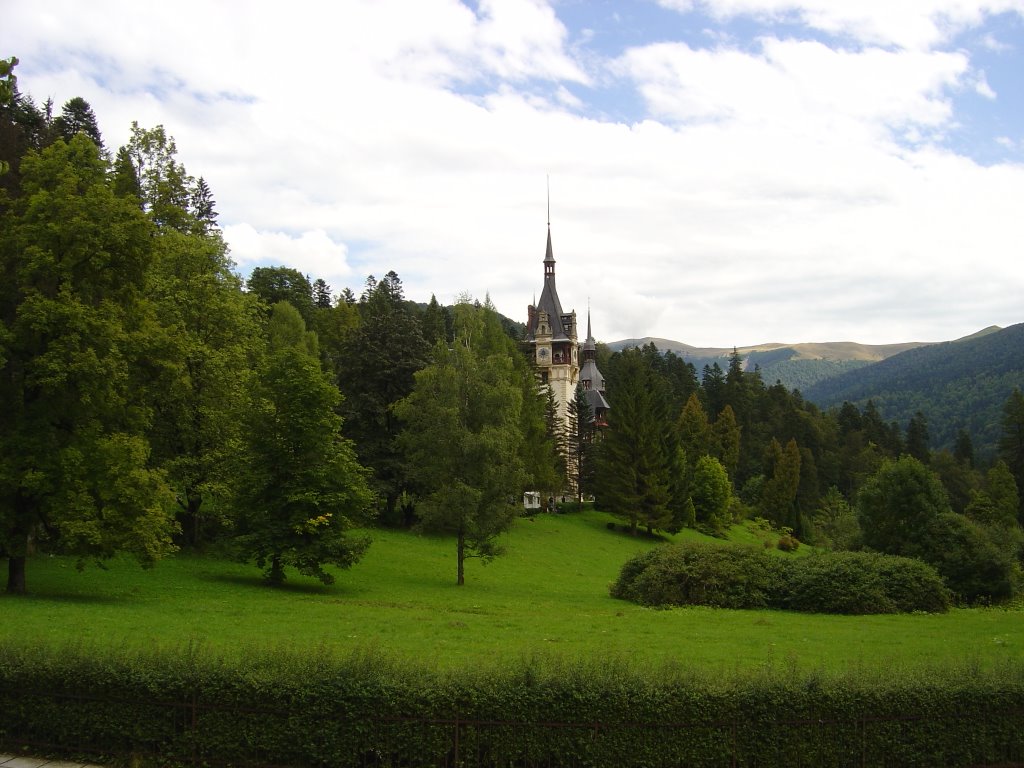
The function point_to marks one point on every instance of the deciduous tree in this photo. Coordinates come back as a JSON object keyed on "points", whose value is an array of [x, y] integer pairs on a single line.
{"points": [[301, 488], [75, 474], [463, 438]]}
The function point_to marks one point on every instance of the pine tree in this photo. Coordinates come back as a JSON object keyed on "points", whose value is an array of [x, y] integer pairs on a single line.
{"points": [[725, 440], [581, 445], [203, 207], [378, 360], [436, 322], [633, 471], [321, 294], [76, 116], [1011, 442], [917, 438]]}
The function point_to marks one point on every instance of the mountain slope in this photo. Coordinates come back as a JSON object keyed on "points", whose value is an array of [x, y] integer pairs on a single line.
{"points": [[955, 384], [796, 366]]}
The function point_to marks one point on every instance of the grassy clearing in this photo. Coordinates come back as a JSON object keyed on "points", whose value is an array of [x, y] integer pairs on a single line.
{"points": [[548, 596]]}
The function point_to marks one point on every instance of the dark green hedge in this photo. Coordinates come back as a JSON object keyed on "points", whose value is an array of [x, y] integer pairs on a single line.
{"points": [[288, 709], [744, 577]]}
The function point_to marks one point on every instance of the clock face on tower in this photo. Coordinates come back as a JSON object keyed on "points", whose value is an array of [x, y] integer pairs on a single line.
{"points": [[543, 353]]}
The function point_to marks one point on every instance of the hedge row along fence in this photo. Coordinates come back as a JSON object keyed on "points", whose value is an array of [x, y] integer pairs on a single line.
{"points": [[285, 709], [692, 573]]}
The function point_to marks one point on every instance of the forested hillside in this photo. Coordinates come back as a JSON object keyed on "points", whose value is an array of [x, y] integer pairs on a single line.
{"points": [[956, 385], [795, 366]]}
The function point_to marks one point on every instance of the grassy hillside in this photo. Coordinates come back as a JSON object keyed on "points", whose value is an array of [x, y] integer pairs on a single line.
{"points": [[955, 384], [548, 595]]}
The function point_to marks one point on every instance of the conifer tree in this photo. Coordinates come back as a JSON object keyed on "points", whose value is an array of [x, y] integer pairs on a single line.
{"points": [[917, 438], [725, 440], [633, 470], [377, 362], [582, 436], [1011, 442]]}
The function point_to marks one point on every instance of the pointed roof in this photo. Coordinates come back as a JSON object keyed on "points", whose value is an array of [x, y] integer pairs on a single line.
{"points": [[589, 345], [549, 301], [589, 372]]}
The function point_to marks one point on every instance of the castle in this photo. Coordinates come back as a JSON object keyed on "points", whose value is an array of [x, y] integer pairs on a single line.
{"points": [[551, 334]]}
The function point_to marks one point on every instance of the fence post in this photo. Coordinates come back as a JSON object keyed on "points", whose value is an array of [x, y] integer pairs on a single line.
{"points": [[194, 707], [457, 728]]}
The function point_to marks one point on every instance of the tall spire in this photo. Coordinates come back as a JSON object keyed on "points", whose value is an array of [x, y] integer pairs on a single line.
{"points": [[549, 255], [548, 177]]}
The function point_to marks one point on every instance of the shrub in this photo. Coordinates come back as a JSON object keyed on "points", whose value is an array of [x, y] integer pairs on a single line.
{"points": [[862, 583], [309, 710], [973, 566], [742, 577], [701, 574], [788, 543]]}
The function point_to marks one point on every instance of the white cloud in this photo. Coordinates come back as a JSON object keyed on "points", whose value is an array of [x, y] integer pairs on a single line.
{"points": [[312, 253], [982, 88], [765, 194]]}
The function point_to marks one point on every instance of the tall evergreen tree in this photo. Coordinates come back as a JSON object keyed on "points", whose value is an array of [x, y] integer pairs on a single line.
{"points": [[778, 500], [581, 444], [633, 471], [321, 294], [378, 361], [963, 449], [1011, 442], [77, 116], [725, 440], [203, 207], [693, 430], [436, 322], [917, 438]]}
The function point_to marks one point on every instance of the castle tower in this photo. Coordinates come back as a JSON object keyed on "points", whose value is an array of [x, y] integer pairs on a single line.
{"points": [[551, 336], [592, 380]]}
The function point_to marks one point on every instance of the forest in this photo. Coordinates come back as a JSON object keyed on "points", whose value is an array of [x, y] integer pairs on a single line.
{"points": [[153, 400]]}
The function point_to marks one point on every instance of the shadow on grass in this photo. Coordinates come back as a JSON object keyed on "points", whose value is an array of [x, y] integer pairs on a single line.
{"points": [[258, 581], [69, 598]]}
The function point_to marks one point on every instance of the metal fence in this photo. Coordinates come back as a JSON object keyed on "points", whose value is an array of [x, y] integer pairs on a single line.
{"points": [[189, 732]]}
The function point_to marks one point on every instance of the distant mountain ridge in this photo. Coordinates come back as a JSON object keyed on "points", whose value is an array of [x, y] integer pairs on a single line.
{"points": [[960, 384], [955, 384], [831, 350], [795, 366]]}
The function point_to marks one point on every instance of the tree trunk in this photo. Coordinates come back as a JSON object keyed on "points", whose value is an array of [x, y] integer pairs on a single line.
{"points": [[276, 575], [16, 575], [462, 558]]}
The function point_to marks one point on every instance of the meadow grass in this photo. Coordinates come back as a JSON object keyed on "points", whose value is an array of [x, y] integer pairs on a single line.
{"points": [[546, 597]]}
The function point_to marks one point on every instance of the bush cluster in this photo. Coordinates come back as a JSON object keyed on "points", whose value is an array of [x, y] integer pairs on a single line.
{"points": [[745, 577], [312, 710]]}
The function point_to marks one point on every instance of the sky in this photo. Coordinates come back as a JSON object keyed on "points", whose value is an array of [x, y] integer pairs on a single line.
{"points": [[718, 172]]}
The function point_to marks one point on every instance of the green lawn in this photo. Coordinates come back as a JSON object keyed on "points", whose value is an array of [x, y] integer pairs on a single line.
{"points": [[547, 596]]}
